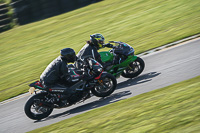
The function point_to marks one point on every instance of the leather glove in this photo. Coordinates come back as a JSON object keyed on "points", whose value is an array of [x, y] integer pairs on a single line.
{"points": [[108, 45]]}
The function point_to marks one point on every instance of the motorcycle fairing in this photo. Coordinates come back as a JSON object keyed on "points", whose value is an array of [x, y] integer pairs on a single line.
{"points": [[106, 56], [36, 84], [118, 68]]}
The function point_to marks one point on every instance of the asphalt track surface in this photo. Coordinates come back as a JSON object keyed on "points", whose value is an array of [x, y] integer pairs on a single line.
{"points": [[163, 68]]}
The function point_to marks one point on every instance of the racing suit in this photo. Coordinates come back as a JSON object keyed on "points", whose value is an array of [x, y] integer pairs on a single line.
{"points": [[91, 51], [56, 76]]}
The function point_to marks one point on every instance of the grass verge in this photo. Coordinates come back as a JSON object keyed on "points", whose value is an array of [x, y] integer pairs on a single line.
{"points": [[173, 109], [5, 1], [27, 50]]}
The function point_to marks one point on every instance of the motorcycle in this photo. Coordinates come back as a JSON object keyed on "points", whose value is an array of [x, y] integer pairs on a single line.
{"points": [[100, 84], [124, 62]]}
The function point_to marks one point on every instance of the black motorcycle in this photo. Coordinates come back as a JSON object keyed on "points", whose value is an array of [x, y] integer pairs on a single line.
{"points": [[99, 83]]}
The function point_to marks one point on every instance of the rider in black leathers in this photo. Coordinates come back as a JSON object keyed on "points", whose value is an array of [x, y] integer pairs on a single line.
{"points": [[91, 48], [56, 75]]}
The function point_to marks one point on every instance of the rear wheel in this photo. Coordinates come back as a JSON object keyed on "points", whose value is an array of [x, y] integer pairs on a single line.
{"points": [[134, 69], [33, 108], [105, 86]]}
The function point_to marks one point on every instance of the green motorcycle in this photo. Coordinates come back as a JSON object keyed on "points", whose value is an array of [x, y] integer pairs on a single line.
{"points": [[124, 62]]}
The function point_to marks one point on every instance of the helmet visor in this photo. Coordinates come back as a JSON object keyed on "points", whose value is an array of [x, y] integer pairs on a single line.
{"points": [[72, 58], [101, 42]]}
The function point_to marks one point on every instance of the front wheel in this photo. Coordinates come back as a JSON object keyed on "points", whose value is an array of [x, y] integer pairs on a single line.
{"points": [[105, 86], [34, 110], [134, 69]]}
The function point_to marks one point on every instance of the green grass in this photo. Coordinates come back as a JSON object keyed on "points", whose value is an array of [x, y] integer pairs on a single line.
{"points": [[173, 109], [5, 1], [26, 50]]}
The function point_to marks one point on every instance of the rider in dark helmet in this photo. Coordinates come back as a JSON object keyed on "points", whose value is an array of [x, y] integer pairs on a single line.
{"points": [[68, 55], [95, 43], [56, 75]]}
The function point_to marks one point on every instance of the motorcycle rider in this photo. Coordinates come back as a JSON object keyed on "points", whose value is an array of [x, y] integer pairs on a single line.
{"points": [[90, 49], [56, 75]]}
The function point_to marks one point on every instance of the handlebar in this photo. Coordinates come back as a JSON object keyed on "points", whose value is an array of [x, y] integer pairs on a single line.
{"points": [[108, 45], [115, 42]]}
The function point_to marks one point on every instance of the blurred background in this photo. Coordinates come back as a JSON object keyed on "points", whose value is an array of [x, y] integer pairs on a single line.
{"points": [[32, 33], [39, 29], [26, 11]]}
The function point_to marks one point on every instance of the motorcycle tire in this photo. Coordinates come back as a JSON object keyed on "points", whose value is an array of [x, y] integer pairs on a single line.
{"points": [[108, 81], [131, 72], [31, 103]]}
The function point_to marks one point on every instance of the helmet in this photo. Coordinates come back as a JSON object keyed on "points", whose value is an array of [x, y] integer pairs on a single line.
{"points": [[97, 39], [68, 54]]}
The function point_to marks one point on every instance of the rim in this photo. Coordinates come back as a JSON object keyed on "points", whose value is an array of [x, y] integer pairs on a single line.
{"points": [[134, 67], [104, 85], [38, 110]]}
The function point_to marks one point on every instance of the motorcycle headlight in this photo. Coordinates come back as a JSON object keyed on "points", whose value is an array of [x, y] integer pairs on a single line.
{"points": [[99, 70]]}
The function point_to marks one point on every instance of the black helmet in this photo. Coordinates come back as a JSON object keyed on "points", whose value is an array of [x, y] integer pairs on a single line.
{"points": [[97, 40], [68, 54]]}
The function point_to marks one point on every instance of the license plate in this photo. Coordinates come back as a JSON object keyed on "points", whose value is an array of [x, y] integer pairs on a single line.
{"points": [[31, 90]]}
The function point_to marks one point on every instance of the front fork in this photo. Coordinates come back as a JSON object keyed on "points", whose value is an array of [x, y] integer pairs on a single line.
{"points": [[101, 83]]}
